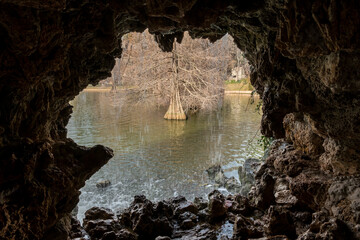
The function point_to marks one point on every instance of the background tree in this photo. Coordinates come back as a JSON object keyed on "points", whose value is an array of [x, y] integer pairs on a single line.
{"points": [[191, 77]]}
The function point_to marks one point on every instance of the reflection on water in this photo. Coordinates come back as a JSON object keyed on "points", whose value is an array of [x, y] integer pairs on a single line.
{"points": [[157, 157]]}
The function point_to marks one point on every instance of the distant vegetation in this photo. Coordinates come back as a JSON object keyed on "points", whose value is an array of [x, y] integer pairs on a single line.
{"points": [[242, 85], [191, 77]]}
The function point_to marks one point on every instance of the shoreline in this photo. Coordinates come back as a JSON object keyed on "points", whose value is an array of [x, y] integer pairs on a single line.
{"points": [[96, 90], [239, 92], [108, 90]]}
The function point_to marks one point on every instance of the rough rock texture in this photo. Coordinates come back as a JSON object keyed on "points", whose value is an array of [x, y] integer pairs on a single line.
{"points": [[175, 218], [305, 57]]}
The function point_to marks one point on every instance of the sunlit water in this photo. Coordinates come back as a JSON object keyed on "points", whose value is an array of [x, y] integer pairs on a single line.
{"points": [[156, 157]]}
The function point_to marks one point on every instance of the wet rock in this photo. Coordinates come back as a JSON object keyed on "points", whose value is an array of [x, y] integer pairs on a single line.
{"points": [[217, 209], [146, 219], [245, 228], [178, 199], [124, 218], [200, 203], [164, 208], [99, 213], [77, 231], [232, 185], [162, 226], [247, 174], [103, 184], [74, 212], [217, 175], [162, 238], [100, 222], [239, 205], [186, 206], [214, 170], [188, 215], [203, 215], [220, 178], [98, 228]]}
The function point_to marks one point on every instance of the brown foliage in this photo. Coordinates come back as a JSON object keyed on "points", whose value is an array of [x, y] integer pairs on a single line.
{"points": [[150, 77]]}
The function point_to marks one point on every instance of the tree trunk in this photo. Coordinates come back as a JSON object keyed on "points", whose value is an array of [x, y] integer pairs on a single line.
{"points": [[175, 110]]}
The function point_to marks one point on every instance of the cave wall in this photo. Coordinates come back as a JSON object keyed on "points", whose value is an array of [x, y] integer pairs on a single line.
{"points": [[304, 56]]}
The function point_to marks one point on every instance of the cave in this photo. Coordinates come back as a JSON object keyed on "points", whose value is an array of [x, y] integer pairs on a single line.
{"points": [[305, 58]]}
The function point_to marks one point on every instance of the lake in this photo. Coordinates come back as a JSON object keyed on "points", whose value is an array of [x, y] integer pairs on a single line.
{"points": [[160, 158]]}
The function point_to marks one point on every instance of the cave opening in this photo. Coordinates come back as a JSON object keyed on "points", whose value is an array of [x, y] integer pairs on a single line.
{"points": [[160, 158]]}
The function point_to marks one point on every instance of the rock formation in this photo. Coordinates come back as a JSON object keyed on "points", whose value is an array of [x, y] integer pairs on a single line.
{"points": [[304, 56]]}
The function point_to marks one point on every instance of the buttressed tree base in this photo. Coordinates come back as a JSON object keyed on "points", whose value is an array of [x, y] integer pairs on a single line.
{"points": [[305, 58]]}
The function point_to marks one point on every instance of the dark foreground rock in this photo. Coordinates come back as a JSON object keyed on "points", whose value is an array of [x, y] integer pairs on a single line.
{"points": [[231, 184], [305, 204]]}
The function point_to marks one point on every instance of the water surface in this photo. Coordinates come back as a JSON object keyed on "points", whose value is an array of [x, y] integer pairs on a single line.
{"points": [[156, 157]]}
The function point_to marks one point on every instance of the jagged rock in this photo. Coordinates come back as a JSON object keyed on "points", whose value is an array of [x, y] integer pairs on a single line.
{"points": [[77, 231], [232, 185], [200, 232], [302, 220], [245, 228], [217, 209], [75, 211], [310, 189], [188, 216], [200, 203], [247, 174], [214, 170], [125, 234], [187, 224], [164, 208], [99, 213], [220, 178], [298, 131], [100, 223], [217, 175], [185, 206], [264, 192], [280, 223], [146, 219], [334, 229], [339, 159], [61, 230], [282, 193]]}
